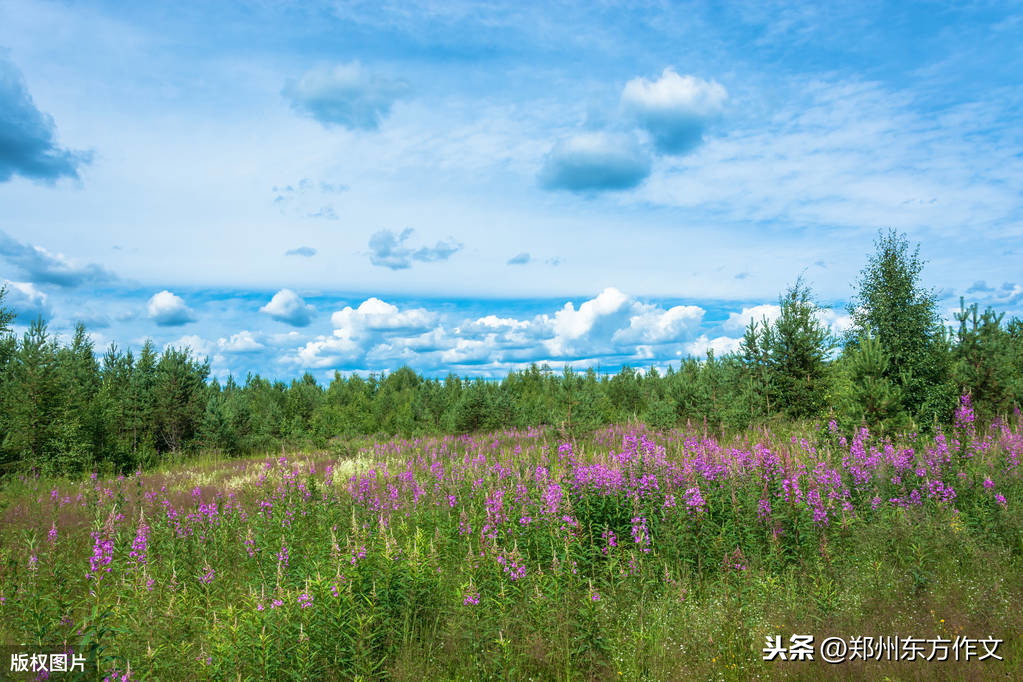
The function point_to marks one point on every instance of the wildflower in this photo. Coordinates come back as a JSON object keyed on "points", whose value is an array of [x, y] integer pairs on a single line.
{"points": [[472, 598], [305, 600], [964, 413], [102, 555], [140, 544], [52, 535], [207, 577], [988, 484], [1000, 499], [694, 500], [640, 533]]}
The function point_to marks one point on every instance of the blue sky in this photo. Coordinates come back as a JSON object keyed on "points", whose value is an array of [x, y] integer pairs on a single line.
{"points": [[291, 187]]}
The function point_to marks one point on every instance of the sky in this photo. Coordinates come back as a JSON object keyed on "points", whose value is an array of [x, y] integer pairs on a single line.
{"points": [[470, 187]]}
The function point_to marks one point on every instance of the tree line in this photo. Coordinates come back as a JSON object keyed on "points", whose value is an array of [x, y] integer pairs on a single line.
{"points": [[64, 409]]}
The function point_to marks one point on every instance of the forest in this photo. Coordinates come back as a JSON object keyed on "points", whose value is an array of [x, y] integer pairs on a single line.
{"points": [[899, 368]]}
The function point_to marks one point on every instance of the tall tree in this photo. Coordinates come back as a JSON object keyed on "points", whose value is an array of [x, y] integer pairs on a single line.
{"points": [[902, 316]]}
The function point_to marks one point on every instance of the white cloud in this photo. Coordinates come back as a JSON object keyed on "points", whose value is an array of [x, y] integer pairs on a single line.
{"points": [[242, 342], [288, 307], [169, 310], [653, 324], [199, 346], [737, 322], [838, 322], [374, 314], [721, 345], [674, 109]]}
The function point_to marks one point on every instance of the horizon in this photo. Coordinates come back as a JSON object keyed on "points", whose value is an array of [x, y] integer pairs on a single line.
{"points": [[310, 188]]}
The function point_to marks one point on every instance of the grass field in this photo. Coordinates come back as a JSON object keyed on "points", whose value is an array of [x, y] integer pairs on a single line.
{"points": [[624, 554]]}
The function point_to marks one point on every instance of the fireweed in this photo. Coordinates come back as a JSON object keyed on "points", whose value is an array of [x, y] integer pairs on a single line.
{"points": [[358, 565]]}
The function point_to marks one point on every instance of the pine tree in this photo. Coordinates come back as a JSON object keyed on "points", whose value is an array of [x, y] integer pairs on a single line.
{"points": [[871, 396], [797, 350]]}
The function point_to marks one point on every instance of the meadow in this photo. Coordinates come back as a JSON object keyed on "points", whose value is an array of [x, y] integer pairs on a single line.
{"points": [[624, 553]]}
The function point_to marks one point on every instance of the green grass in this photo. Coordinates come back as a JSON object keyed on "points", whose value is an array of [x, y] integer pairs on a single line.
{"points": [[387, 588]]}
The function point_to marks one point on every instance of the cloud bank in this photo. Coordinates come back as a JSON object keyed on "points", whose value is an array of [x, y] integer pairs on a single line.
{"points": [[41, 266]]}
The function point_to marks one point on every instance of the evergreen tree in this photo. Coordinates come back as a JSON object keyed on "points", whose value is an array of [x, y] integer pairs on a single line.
{"points": [[872, 397], [988, 360], [32, 401], [797, 352]]}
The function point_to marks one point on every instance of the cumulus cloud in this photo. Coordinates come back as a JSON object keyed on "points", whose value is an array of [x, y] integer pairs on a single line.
{"points": [[26, 301], [650, 324], [169, 310], [376, 315], [199, 346], [41, 266], [520, 259], [595, 162], [837, 322], [388, 250], [304, 251], [357, 331], [738, 322], [242, 342], [288, 307], [721, 345], [28, 145], [345, 95], [674, 109]]}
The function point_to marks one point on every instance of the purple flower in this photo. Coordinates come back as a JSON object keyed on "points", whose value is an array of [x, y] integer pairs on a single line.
{"points": [[964, 413], [207, 577], [140, 544], [305, 600], [694, 500]]}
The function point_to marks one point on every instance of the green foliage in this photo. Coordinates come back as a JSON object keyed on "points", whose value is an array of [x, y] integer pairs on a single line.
{"points": [[870, 395], [65, 410], [891, 304], [988, 360]]}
